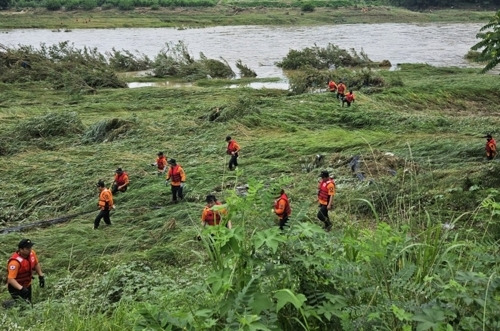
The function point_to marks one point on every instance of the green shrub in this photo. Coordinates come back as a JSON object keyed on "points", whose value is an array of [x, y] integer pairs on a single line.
{"points": [[307, 8], [53, 5], [245, 71]]}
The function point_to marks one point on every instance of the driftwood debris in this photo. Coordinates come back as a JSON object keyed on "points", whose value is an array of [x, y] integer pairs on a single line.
{"points": [[42, 224]]}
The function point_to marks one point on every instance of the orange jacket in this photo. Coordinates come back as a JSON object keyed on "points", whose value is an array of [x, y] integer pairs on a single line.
{"points": [[491, 148], [21, 269], [121, 179], [232, 147], [326, 191], [210, 216], [349, 97], [341, 88], [105, 200], [161, 162], [332, 86], [282, 206], [176, 174]]}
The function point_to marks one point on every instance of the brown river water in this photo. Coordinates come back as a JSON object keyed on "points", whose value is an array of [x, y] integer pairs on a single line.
{"points": [[259, 47]]}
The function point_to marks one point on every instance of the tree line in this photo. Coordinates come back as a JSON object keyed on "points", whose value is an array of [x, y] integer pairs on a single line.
{"points": [[131, 4]]}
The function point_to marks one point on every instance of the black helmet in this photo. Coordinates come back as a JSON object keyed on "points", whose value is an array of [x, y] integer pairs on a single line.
{"points": [[324, 174]]}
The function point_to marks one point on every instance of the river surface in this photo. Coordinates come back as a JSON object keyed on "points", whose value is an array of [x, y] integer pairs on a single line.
{"points": [[260, 47]]}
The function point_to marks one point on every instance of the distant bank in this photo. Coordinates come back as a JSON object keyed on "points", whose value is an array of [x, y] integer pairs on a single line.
{"points": [[228, 15]]}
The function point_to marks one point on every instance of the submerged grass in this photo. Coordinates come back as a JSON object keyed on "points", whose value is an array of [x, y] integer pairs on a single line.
{"points": [[421, 151]]}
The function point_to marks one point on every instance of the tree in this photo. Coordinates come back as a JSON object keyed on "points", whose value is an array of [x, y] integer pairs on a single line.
{"points": [[490, 43], [4, 4]]}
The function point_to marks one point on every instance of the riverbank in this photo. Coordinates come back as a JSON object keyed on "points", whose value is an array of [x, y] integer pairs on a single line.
{"points": [[224, 16]]}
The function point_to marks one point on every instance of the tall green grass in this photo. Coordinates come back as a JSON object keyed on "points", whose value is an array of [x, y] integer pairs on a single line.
{"points": [[413, 245]]}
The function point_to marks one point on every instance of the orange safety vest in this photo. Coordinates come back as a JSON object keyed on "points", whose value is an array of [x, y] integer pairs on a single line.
{"points": [[120, 178], [105, 197], [174, 173], [349, 97], [323, 189], [491, 148], [211, 215], [232, 146], [288, 210], [161, 162], [341, 88], [332, 86], [26, 267]]}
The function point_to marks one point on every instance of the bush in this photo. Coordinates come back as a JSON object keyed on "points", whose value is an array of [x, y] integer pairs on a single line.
{"points": [[324, 58], [245, 71], [53, 5], [307, 8]]}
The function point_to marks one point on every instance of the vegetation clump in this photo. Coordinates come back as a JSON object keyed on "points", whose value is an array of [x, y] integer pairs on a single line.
{"points": [[61, 65], [175, 61], [50, 125], [106, 130], [329, 57]]}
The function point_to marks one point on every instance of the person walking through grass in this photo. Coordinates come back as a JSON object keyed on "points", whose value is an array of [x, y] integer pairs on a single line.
{"points": [[212, 213], [332, 87], [105, 204], [177, 177], [282, 208], [326, 191], [161, 163], [341, 88], [348, 98], [120, 182], [20, 271], [232, 149], [491, 147]]}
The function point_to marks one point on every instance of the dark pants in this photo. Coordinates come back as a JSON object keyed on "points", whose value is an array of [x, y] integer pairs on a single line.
{"points": [[283, 222], [345, 101], [103, 214], [176, 192], [16, 294], [114, 189], [323, 216], [233, 162], [340, 96]]}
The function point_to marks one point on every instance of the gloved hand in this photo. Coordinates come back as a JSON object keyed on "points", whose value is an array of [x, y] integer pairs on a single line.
{"points": [[166, 182], [24, 291], [182, 184], [41, 280]]}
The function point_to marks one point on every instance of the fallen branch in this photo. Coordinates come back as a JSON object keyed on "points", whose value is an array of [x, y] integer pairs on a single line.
{"points": [[43, 224]]}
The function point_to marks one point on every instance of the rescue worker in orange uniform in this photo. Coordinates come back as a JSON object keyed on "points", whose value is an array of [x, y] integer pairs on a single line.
{"points": [[332, 86], [20, 271], [232, 149], [341, 88], [212, 216], [326, 191], [491, 147], [282, 209], [177, 177], [161, 163], [105, 204], [348, 98], [120, 182]]}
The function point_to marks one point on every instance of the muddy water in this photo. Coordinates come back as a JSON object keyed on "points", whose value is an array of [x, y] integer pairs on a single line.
{"points": [[260, 47]]}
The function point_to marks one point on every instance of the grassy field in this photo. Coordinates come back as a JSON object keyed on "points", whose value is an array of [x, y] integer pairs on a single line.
{"points": [[227, 15], [422, 151]]}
